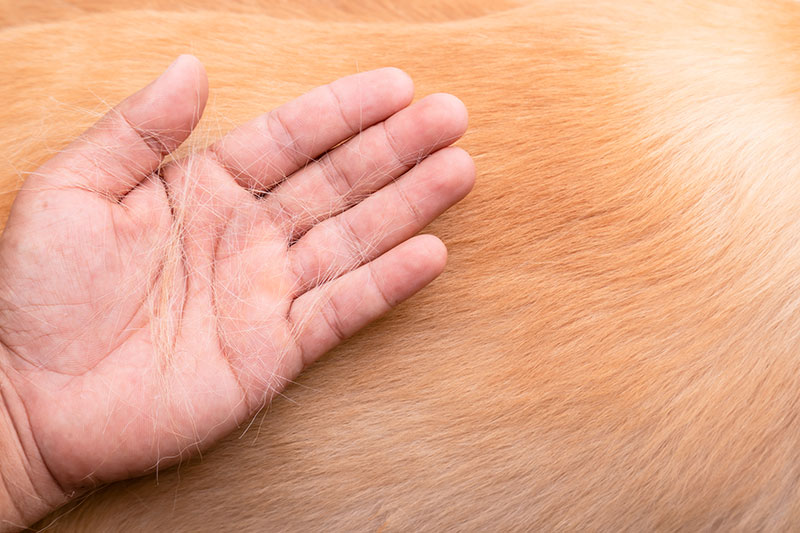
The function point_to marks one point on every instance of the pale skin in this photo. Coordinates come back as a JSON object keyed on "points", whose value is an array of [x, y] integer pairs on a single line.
{"points": [[149, 308]]}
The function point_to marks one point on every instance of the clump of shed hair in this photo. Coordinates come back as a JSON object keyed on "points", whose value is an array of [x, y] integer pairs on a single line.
{"points": [[615, 342]]}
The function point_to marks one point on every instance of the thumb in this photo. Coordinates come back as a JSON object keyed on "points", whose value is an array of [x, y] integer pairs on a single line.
{"points": [[131, 140]]}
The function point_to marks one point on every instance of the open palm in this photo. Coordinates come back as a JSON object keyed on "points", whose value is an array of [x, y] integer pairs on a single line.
{"points": [[146, 309]]}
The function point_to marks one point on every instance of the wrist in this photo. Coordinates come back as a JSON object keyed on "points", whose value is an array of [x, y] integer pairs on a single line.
{"points": [[27, 490]]}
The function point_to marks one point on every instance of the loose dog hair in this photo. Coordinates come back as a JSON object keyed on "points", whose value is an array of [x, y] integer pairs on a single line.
{"points": [[614, 344]]}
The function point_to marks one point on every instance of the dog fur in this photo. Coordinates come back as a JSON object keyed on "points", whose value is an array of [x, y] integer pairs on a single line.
{"points": [[615, 342]]}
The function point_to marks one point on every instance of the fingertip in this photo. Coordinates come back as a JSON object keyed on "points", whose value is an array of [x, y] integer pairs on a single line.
{"points": [[171, 106], [198, 70], [403, 81], [454, 109], [190, 58], [461, 168], [400, 83], [186, 78], [431, 252], [410, 266], [186, 69], [184, 61], [443, 113]]}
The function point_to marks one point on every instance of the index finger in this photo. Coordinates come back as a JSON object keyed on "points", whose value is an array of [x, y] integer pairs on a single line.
{"points": [[272, 146]]}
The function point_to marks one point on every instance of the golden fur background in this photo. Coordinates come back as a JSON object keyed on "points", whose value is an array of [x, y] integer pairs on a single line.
{"points": [[615, 344]]}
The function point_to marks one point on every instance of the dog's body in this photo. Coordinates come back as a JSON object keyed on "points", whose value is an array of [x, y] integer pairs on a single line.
{"points": [[615, 343]]}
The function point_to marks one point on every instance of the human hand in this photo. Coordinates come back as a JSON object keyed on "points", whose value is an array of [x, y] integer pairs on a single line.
{"points": [[147, 309]]}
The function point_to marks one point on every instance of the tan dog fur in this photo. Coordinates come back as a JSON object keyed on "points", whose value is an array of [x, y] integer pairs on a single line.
{"points": [[615, 343]]}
